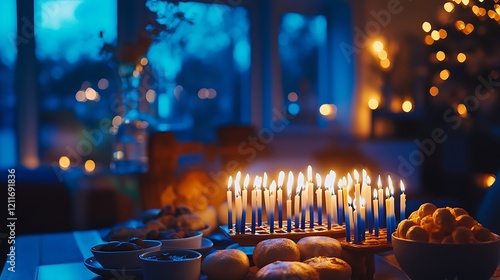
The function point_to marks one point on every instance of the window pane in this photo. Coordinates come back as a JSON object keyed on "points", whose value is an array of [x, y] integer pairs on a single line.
{"points": [[7, 64], [301, 39], [69, 36], [203, 68]]}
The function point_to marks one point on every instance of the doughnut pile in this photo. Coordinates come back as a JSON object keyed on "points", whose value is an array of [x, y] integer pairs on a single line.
{"points": [[443, 225]]}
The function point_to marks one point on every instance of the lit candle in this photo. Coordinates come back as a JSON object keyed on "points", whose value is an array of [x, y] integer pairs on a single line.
{"points": [[357, 199], [328, 202], [334, 210], [289, 186], [344, 196], [267, 205], [387, 216], [393, 215], [259, 201], [319, 199], [272, 203], [238, 206], [402, 200], [362, 212], [254, 203], [381, 203], [281, 178], [244, 198], [341, 203], [237, 192], [369, 206], [310, 196], [303, 203], [296, 213], [348, 214], [375, 212], [229, 203]]}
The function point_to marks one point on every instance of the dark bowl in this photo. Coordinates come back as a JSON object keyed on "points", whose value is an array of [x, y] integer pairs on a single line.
{"points": [[421, 260]]}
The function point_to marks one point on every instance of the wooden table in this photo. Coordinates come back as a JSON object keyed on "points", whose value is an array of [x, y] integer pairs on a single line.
{"points": [[60, 256]]}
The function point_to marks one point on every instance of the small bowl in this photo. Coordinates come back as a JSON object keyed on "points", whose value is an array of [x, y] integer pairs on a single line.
{"points": [[123, 259], [421, 260], [185, 264], [191, 241]]}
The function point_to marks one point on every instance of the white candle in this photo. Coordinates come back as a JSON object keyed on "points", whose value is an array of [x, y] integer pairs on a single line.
{"points": [[259, 200], [319, 199], [253, 198], [229, 203], [334, 210], [387, 214], [344, 195], [328, 201], [357, 190], [402, 199], [303, 202], [244, 198], [266, 204], [238, 207], [393, 216], [279, 194], [296, 211], [375, 212], [380, 202], [310, 196], [289, 186], [363, 218], [340, 202], [272, 203], [369, 206]]}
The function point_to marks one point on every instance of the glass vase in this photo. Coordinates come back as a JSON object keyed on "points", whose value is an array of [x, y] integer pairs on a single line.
{"points": [[130, 137]]}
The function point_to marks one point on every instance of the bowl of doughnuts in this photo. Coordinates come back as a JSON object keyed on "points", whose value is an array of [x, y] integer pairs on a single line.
{"points": [[124, 254], [445, 243]]}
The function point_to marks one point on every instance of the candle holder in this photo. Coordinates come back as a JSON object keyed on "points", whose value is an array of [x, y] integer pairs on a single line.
{"points": [[361, 257], [263, 232]]}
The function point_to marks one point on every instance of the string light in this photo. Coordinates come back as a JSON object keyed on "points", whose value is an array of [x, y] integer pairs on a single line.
{"points": [[440, 55], [444, 74], [434, 90], [461, 57], [426, 26]]}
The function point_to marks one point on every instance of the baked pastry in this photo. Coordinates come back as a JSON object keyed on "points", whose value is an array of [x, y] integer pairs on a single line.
{"points": [[287, 270], [230, 264], [330, 268], [314, 246], [276, 249]]}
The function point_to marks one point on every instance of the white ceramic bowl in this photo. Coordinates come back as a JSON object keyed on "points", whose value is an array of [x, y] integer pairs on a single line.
{"points": [[191, 241], [171, 264], [123, 259], [427, 261]]}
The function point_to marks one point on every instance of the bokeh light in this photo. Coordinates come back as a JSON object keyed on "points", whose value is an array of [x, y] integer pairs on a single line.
{"points": [[89, 166], [461, 57], [434, 90], [385, 63], [426, 26], [444, 74], [407, 106], [373, 103], [293, 97], [64, 162], [377, 46], [440, 55], [462, 110], [448, 6]]}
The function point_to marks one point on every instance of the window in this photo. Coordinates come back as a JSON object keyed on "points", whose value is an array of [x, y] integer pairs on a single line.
{"points": [[302, 41], [203, 69], [75, 94], [8, 31]]}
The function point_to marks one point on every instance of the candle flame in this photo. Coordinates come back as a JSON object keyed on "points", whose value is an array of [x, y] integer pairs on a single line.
{"points": [[333, 175], [237, 179], [281, 179], [229, 183], [237, 190], [368, 180], [258, 182], [272, 188], [309, 173], [318, 181], [349, 200], [391, 188], [339, 184], [349, 180], [375, 194], [356, 176], [401, 186], [300, 180], [363, 172], [344, 182], [379, 182], [264, 181], [247, 181], [289, 184], [386, 192]]}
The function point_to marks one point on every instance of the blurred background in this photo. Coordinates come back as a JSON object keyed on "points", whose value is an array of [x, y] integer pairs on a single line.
{"points": [[113, 107]]}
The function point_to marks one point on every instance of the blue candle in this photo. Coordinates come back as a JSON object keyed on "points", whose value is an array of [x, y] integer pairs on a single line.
{"points": [[303, 219], [229, 203], [347, 224], [253, 220], [271, 222], [243, 221]]}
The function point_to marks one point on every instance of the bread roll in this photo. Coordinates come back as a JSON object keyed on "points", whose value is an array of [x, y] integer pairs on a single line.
{"points": [[287, 270], [314, 246], [230, 264], [276, 249], [330, 268]]}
